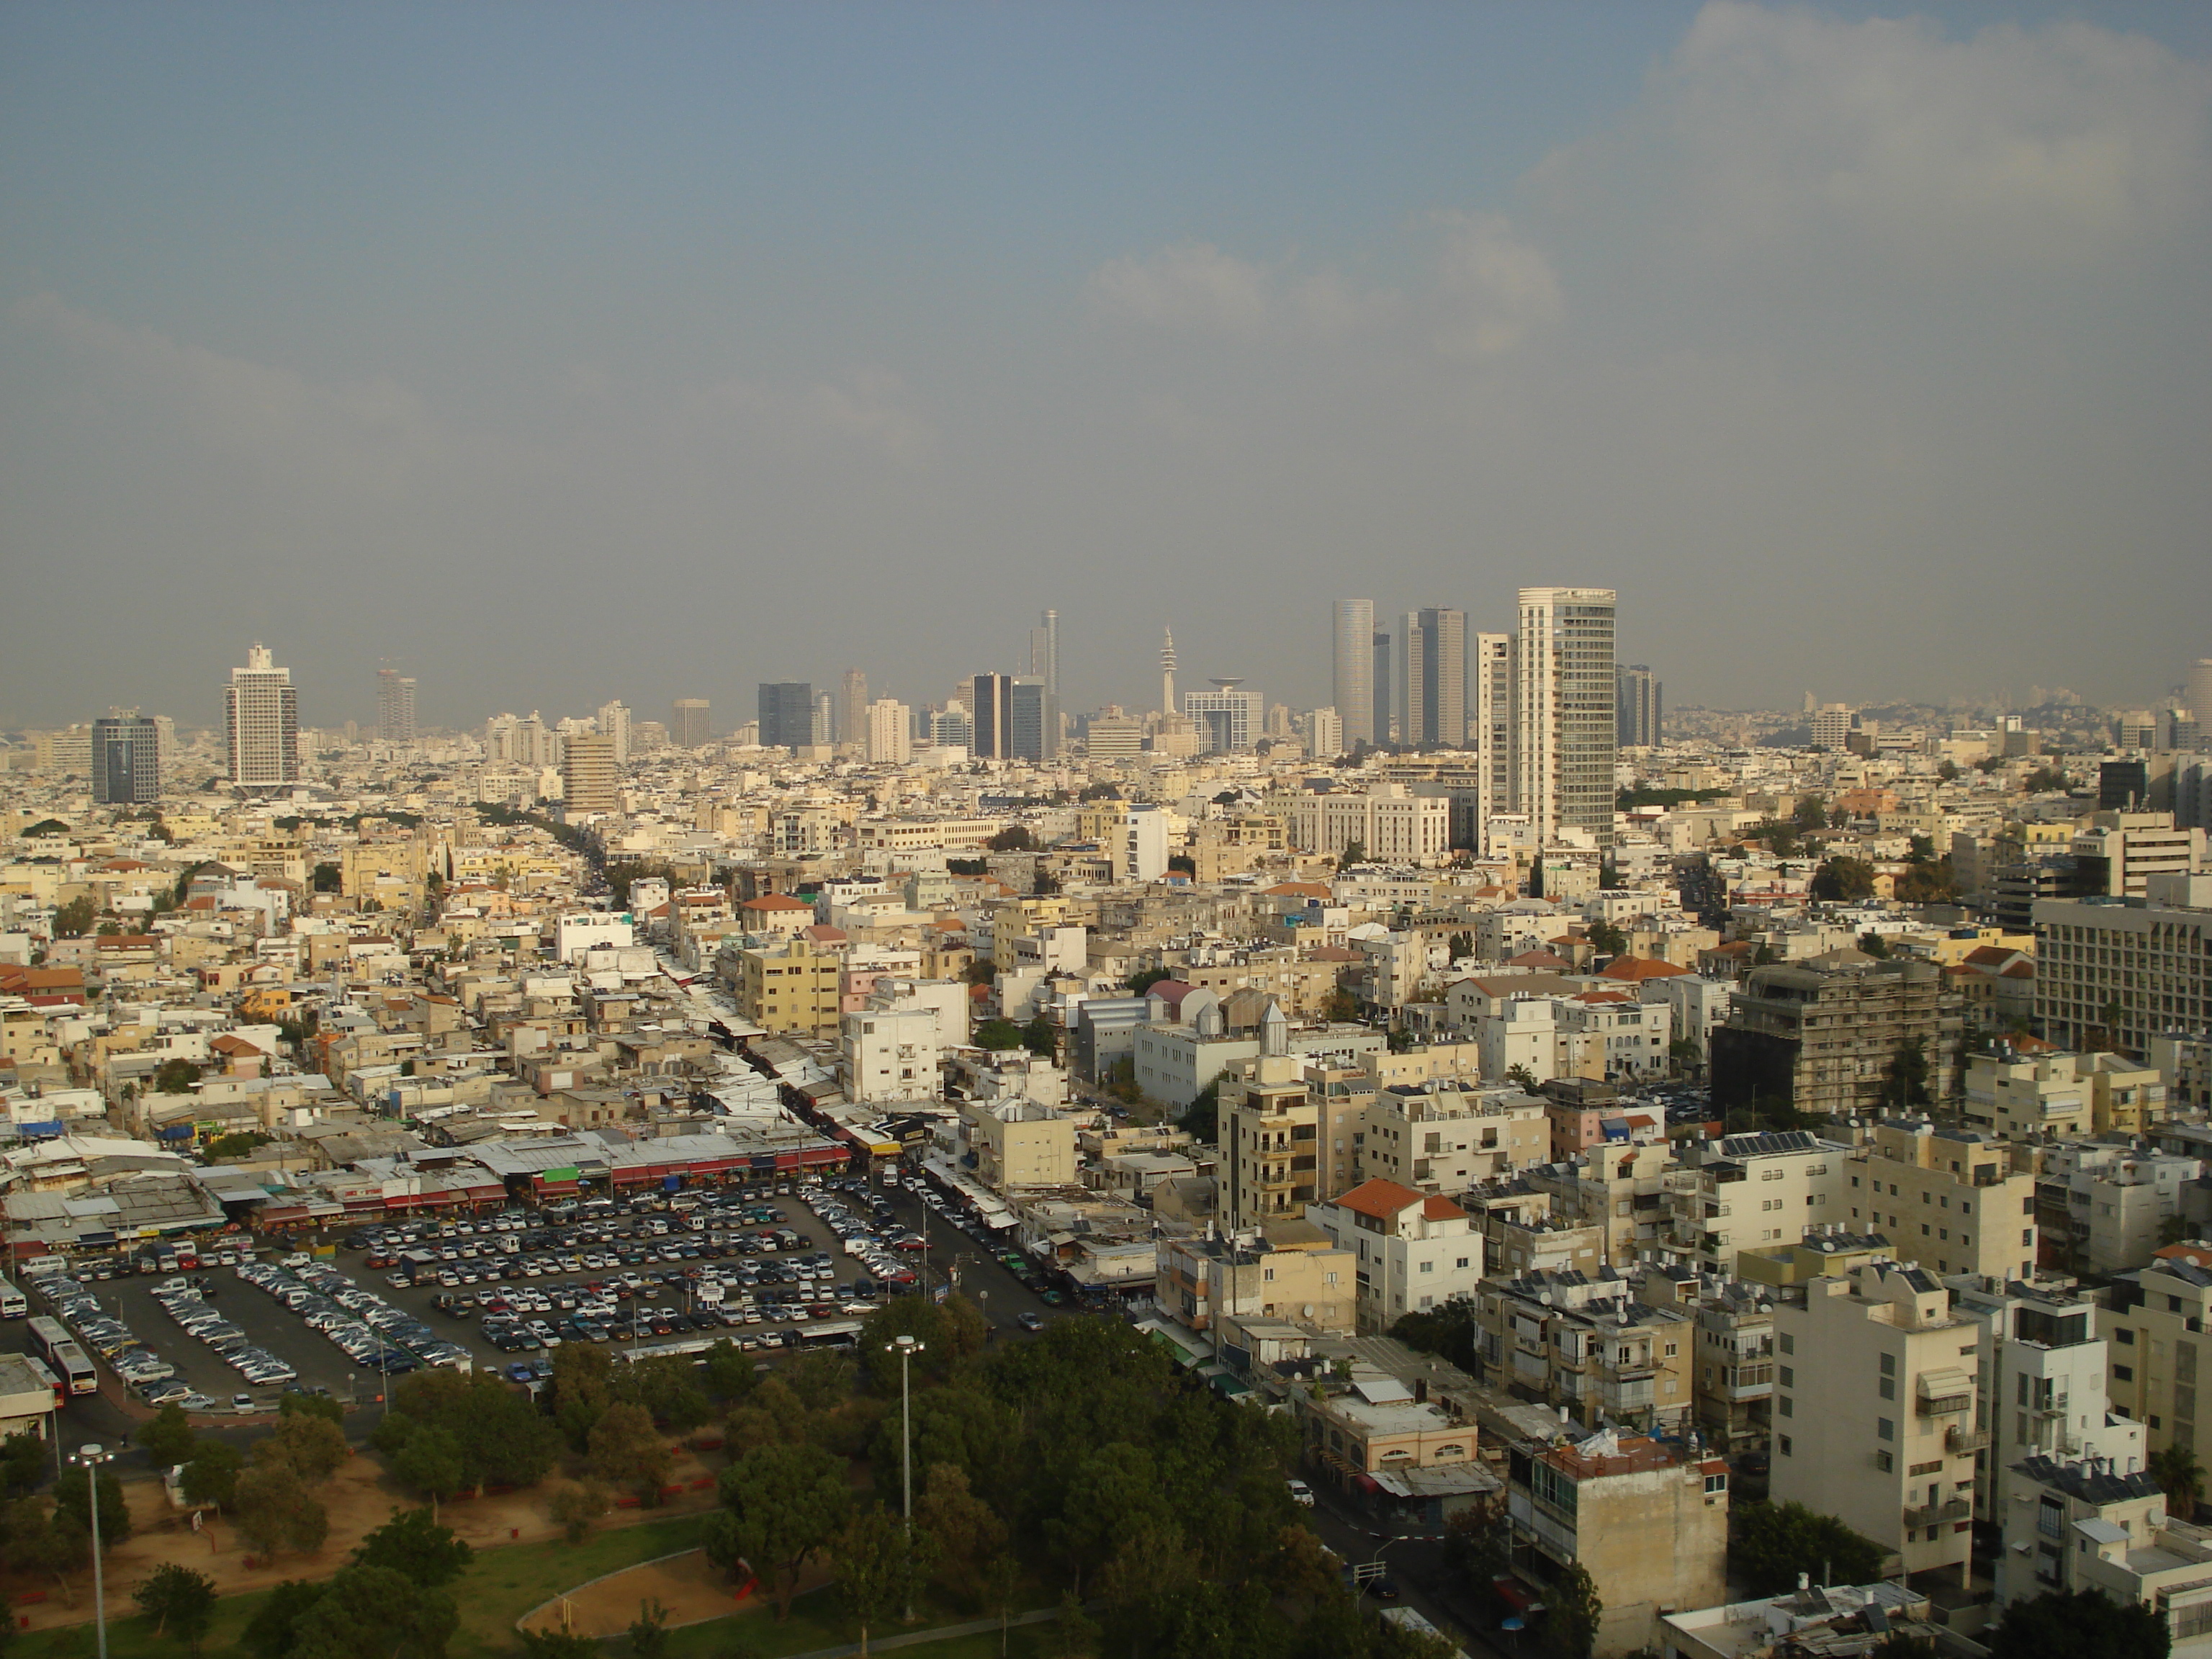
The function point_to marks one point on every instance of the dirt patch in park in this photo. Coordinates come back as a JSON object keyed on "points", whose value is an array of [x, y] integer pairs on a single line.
{"points": [[688, 1585], [360, 1500]]}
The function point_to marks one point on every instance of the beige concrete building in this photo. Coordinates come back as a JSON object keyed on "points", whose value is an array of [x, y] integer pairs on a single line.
{"points": [[787, 988], [1415, 1251], [1442, 1139], [1020, 1144], [1754, 1190], [2121, 974], [1876, 1380], [2020, 1097], [1647, 1521], [1287, 1271], [2158, 1355], [1952, 1200], [1595, 1348]]}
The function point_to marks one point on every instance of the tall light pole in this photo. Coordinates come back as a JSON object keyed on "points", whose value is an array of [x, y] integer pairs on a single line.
{"points": [[90, 1457], [908, 1347]]}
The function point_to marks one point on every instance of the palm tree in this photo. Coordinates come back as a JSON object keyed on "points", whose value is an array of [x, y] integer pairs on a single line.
{"points": [[2176, 1469]]}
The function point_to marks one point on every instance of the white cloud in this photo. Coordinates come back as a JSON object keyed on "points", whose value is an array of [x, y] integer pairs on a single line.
{"points": [[1493, 289], [1782, 133], [1193, 286]]}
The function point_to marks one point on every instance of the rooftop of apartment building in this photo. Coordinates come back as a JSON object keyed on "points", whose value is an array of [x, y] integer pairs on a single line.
{"points": [[2089, 1480], [1609, 1453]]}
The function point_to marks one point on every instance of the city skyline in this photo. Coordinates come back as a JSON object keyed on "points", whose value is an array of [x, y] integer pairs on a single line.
{"points": [[1530, 299]]}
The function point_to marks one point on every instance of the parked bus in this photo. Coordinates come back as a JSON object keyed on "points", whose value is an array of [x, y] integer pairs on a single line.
{"points": [[76, 1369], [45, 1373], [14, 1304], [48, 1334]]}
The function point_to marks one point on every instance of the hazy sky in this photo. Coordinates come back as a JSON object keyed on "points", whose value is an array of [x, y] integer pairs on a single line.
{"points": [[563, 353]]}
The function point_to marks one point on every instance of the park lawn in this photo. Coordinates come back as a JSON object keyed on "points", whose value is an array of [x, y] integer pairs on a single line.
{"points": [[818, 1620], [503, 1584]]}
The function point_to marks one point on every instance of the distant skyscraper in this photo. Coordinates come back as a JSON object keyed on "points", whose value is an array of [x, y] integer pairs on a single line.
{"points": [[395, 707], [126, 760], [2200, 692], [1563, 744], [614, 722], [1049, 668], [853, 707], [590, 780], [993, 716], [1436, 678], [1636, 706], [787, 714], [690, 722], [1384, 698], [1324, 734], [1490, 726], [890, 732], [1354, 700], [1167, 672], [261, 721], [824, 724], [1228, 718], [1033, 730], [953, 726]]}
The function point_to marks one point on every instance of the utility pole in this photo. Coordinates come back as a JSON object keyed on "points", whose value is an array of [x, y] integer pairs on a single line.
{"points": [[90, 1457], [908, 1346]]}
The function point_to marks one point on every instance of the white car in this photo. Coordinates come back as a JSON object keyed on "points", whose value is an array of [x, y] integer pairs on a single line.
{"points": [[1301, 1493]]}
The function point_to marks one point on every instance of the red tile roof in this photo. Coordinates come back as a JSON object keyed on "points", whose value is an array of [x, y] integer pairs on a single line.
{"points": [[773, 902], [1639, 968]]}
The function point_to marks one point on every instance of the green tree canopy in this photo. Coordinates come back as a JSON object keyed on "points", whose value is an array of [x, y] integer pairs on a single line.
{"points": [[180, 1601], [1775, 1542], [414, 1546], [73, 1498], [1842, 880], [2068, 1624], [998, 1035], [167, 1438], [782, 1506]]}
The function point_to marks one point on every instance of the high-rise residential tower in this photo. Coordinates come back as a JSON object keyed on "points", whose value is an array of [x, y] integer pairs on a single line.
{"points": [[1353, 698], [614, 722], [889, 733], [1636, 706], [126, 760], [689, 724], [1386, 720], [1048, 668], [787, 714], [590, 780], [261, 721], [1490, 726], [2200, 692], [1436, 678], [853, 707], [395, 707], [1563, 744]]}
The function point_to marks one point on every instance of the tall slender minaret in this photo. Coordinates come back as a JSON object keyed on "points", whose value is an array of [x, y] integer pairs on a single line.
{"points": [[1167, 672]]}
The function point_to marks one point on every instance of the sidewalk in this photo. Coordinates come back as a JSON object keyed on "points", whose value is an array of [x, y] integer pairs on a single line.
{"points": [[914, 1639]]}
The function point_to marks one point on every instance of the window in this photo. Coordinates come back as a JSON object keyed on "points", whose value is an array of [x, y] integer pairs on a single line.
{"points": [[1788, 1376], [1428, 1267], [1782, 1444], [1789, 1343], [1884, 1461], [1889, 1387], [2125, 1336], [1462, 1261], [1789, 1406], [2123, 1373], [1889, 1364], [1884, 1429], [2027, 1235]]}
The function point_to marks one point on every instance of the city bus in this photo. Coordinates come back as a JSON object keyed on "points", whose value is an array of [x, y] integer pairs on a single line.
{"points": [[45, 1373], [61, 1351], [14, 1304]]}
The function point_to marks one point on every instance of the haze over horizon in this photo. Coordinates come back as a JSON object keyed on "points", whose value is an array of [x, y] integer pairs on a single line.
{"points": [[566, 354]]}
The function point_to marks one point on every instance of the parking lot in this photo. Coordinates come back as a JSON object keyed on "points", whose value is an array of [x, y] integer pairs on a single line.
{"points": [[767, 1270]]}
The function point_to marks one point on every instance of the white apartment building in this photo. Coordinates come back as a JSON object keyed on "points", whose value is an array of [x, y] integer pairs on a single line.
{"points": [[261, 722], [1390, 822], [1139, 844], [1952, 1200], [1875, 1380], [1564, 749], [890, 736], [1412, 1251], [2042, 1366], [2125, 973], [1757, 1189], [2113, 1200], [1440, 1138], [1322, 732]]}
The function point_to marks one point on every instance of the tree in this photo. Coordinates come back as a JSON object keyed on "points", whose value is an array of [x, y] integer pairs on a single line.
{"points": [[167, 1440], [1812, 812], [731, 1371], [949, 1331], [1461, 947], [649, 1631], [625, 1449], [575, 1507], [1144, 979], [1606, 939], [879, 1566], [311, 1405], [1875, 944], [781, 1505], [1014, 838], [180, 1601], [1523, 1078], [23, 1462], [1075, 1633], [2066, 1624], [237, 1145], [211, 1476], [1571, 1614], [998, 1035], [175, 1077], [430, 1463], [2177, 1470], [1775, 1542], [1905, 1084], [1355, 852], [274, 1512], [1948, 770], [665, 1386], [414, 1546], [74, 919], [1842, 880], [1040, 1039], [73, 1498], [314, 1448], [559, 1644], [269, 1634], [1202, 1117], [968, 1533], [374, 1612], [1002, 1582], [326, 878]]}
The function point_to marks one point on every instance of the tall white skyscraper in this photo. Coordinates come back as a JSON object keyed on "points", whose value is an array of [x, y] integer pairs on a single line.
{"points": [[1564, 743], [395, 707], [261, 719], [614, 722], [890, 732], [1048, 669], [1490, 726], [1354, 694]]}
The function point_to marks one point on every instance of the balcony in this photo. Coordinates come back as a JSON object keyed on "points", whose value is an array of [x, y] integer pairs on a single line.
{"points": [[1957, 1441], [1934, 1515]]}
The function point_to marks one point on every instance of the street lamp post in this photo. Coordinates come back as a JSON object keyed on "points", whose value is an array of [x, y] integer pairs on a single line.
{"points": [[908, 1347], [90, 1457]]}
